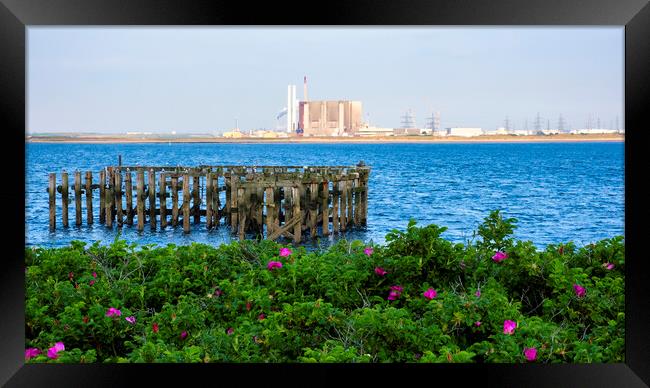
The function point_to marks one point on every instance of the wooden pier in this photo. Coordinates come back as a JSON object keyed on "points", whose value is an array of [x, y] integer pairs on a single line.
{"points": [[259, 201]]}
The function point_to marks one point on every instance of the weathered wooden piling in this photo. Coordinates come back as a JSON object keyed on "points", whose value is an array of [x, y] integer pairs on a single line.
{"points": [[77, 197], [266, 201], [139, 198], [163, 200], [186, 203], [64, 198], [128, 188], [152, 198], [89, 197]]}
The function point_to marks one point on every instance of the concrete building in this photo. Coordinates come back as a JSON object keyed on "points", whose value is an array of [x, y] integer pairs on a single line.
{"points": [[593, 131], [366, 130], [329, 118], [464, 132], [406, 131]]}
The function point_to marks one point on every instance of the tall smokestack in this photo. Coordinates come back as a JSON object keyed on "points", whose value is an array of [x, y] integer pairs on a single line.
{"points": [[305, 89]]}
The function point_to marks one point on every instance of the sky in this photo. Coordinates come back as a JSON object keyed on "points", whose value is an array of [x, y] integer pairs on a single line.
{"points": [[204, 80]]}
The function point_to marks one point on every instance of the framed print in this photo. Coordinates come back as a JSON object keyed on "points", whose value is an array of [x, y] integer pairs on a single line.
{"points": [[379, 191]]}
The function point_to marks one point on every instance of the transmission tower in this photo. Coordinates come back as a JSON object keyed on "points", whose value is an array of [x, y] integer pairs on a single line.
{"points": [[407, 120], [538, 123], [598, 123], [507, 123], [560, 123]]}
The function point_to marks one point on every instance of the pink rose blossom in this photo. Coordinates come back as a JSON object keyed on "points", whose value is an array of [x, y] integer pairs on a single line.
{"points": [[183, 335], [395, 292], [274, 264], [261, 317], [155, 327], [380, 271], [230, 331], [113, 312], [530, 354], [130, 320], [94, 274], [609, 266], [579, 290], [477, 323], [59, 346], [91, 282], [54, 350], [284, 252], [499, 256], [31, 353], [430, 293], [368, 251], [478, 293], [509, 326]]}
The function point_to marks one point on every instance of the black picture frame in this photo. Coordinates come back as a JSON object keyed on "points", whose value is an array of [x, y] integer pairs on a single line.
{"points": [[17, 15]]}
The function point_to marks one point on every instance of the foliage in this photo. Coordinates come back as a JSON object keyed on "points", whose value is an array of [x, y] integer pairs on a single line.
{"points": [[200, 303]]}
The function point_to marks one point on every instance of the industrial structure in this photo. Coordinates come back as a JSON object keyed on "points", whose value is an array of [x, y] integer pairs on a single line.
{"points": [[330, 118]]}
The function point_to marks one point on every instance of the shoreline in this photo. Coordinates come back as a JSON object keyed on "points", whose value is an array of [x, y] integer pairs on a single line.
{"points": [[113, 139]]}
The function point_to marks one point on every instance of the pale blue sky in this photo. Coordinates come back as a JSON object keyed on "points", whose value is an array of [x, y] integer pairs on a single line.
{"points": [[97, 79]]}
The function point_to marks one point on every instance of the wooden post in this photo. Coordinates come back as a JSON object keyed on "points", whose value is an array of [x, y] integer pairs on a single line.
{"points": [[208, 200], [348, 187], [152, 199], [196, 201], [89, 197], [102, 196], [297, 229], [259, 210], [129, 197], [118, 197], [77, 197], [325, 194], [288, 204], [52, 192], [233, 197], [174, 200], [241, 212], [139, 178], [186, 203], [313, 208], [109, 198], [227, 177], [64, 197], [270, 211], [163, 200], [344, 204], [335, 206], [364, 199]]}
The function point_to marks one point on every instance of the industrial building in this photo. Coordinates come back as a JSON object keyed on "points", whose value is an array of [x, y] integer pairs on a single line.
{"points": [[464, 132], [329, 118]]}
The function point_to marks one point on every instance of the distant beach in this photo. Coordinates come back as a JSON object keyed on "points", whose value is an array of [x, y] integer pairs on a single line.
{"points": [[107, 139]]}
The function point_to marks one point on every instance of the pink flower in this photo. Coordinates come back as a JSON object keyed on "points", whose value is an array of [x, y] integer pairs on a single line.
{"points": [[31, 353], [261, 317], [113, 312], [218, 292], [477, 323], [530, 354], [609, 266], [54, 350], [509, 326], [395, 292], [130, 320], [91, 282], [70, 275], [230, 331], [155, 327], [430, 293], [478, 293], [248, 306], [274, 264], [499, 256], [579, 290], [368, 251], [94, 274], [284, 252], [380, 271], [183, 335]]}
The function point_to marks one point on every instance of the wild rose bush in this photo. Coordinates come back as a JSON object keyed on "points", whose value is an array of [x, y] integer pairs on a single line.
{"points": [[418, 298]]}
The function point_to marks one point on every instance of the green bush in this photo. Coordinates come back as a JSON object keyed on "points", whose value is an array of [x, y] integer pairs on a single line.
{"points": [[200, 303]]}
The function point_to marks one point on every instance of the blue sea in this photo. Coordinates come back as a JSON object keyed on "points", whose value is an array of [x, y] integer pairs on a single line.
{"points": [[558, 192]]}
